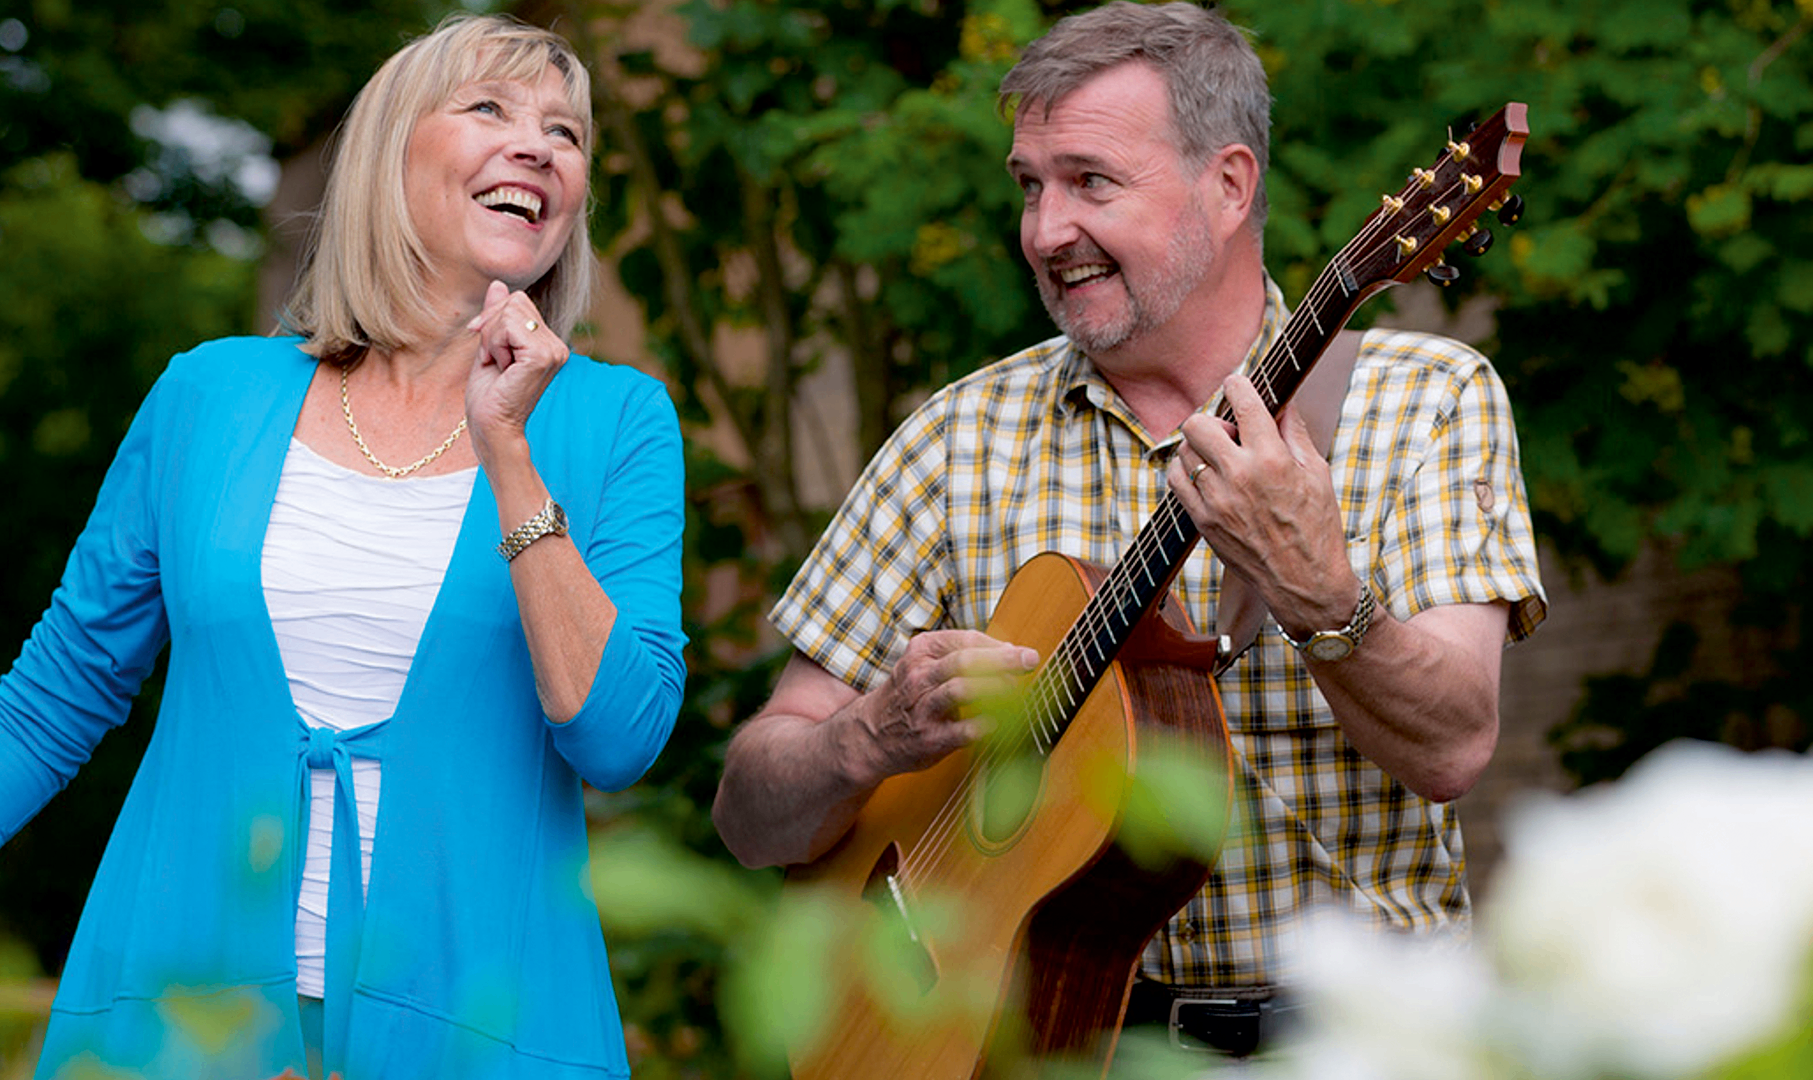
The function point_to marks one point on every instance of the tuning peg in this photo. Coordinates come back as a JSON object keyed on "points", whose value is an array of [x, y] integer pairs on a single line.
{"points": [[1443, 274], [1478, 244], [1510, 211]]}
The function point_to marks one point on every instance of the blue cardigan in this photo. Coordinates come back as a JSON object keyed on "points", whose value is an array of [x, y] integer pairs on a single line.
{"points": [[480, 953]]}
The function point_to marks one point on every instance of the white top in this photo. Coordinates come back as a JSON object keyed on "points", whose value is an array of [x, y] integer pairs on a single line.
{"points": [[352, 564]]}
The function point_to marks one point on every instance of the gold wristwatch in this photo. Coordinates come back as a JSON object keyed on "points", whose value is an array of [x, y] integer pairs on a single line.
{"points": [[552, 519], [1331, 645]]}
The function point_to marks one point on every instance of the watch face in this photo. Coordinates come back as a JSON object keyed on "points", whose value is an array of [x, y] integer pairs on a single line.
{"points": [[1328, 646], [560, 521]]}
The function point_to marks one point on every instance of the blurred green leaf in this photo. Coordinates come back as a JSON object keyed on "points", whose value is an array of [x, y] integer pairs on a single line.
{"points": [[1176, 803], [777, 995], [644, 881]]}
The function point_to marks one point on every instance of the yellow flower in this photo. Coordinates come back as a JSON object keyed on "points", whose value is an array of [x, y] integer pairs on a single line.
{"points": [[936, 245], [986, 37]]}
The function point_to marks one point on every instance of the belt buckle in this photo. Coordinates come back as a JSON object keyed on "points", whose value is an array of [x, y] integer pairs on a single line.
{"points": [[1241, 1022]]}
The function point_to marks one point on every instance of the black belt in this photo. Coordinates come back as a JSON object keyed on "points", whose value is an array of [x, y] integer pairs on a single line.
{"points": [[1234, 1022]]}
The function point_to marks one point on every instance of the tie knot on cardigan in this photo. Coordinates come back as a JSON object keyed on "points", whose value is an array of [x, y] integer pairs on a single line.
{"points": [[321, 741]]}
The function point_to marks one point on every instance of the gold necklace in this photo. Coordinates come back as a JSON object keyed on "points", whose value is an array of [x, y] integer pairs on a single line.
{"points": [[392, 471]]}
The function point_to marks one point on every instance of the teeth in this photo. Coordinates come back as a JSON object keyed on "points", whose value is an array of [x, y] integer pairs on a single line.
{"points": [[1070, 275], [526, 201]]}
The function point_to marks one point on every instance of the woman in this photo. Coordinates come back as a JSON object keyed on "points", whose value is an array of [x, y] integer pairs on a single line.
{"points": [[420, 576]]}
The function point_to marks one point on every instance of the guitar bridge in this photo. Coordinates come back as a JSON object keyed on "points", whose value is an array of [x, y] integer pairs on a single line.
{"points": [[900, 907], [897, 929]]}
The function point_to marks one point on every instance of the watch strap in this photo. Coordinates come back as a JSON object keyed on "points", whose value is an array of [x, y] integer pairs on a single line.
{"points": [[551, 519], [1354, 632]]}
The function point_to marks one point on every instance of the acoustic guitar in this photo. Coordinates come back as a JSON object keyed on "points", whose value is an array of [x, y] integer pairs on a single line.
{"points": [[1015, 918]]}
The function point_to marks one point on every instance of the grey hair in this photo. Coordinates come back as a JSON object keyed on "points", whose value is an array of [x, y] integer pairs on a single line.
{"points": [[1218, 91], [364, 274]]}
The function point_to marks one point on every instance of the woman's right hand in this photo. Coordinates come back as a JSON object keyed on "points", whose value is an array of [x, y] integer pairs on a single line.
{"points": [[518, 355]]}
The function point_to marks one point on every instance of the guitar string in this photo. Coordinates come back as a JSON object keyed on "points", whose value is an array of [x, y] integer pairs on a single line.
{"points": [[935, 842]]}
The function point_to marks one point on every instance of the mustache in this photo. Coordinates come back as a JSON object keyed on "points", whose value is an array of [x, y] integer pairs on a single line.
{"points": [[1075, 255]]}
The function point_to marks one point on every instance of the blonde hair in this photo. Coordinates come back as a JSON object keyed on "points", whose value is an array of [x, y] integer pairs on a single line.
{"points": [[364, 273]]}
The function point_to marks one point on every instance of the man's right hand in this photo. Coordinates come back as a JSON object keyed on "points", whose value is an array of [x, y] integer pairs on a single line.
{"points": [[797, 774], [925, 709]]}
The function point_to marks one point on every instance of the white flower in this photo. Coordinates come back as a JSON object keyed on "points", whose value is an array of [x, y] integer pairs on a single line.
{"points": [[1658, 925], [1380, 1005]]}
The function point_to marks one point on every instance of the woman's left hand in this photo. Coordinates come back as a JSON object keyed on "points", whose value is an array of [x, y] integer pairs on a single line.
{"points": [[518, 356]]}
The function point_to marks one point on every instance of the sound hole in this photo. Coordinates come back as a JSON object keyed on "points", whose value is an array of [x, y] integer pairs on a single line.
{"points": [[1011, 781]]}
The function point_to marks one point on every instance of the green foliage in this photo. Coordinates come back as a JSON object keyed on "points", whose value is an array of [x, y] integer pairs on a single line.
{"points": [[822, 176], [287, 67], [21, 1009], [721, 973], [1621, 717], [1176, 803], [777, 994]]}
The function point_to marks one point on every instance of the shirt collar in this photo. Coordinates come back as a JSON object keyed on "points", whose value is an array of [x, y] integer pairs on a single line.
{"points": [[1085, 387]]}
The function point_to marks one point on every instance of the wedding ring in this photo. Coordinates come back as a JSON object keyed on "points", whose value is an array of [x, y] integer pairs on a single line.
{"points": [[1197, 471], [531, 326]]}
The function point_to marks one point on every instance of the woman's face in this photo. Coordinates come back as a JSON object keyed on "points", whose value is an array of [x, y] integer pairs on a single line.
{"points": [[495, 183]]}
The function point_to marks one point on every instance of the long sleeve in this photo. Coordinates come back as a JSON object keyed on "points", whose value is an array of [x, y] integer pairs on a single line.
{"points": [[76, 675], [634, 550]]}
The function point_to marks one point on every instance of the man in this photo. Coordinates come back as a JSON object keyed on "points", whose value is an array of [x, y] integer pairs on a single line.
{"points": [[1140, 142]]}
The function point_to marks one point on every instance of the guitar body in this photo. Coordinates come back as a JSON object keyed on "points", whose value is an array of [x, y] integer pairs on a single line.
{"points": [[1028, 928]]}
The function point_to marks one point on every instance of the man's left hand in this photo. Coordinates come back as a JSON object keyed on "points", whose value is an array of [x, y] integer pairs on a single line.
{"points": [[1262, 497]]}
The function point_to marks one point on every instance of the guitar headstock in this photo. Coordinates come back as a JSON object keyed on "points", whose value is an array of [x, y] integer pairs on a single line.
{"points": [[1403, 238], [1441, 204]]}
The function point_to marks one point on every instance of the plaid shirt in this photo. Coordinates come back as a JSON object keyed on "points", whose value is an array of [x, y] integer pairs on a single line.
{"points": [[1037, 453]]}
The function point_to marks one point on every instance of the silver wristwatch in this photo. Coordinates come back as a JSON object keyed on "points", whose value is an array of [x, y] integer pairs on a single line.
{"points": [[1331, 645], [551, 520]]}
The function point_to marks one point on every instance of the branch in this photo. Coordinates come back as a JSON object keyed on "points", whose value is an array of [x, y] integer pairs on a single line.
{"points": [[676, 275], [1753, 116], [871, 362], [774, 448]]}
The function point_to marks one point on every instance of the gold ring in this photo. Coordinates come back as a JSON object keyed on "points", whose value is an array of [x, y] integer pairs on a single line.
{"points": [[1197, 471], [531, 326]]}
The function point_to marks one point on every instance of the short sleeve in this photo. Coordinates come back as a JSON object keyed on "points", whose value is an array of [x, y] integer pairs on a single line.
{"points": [[881, 572], [1457, 530]]}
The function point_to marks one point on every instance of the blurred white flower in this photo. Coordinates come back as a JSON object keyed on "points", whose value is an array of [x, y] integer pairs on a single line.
{"points": [[214, 148], [1656, 926], [1385, 1006]]}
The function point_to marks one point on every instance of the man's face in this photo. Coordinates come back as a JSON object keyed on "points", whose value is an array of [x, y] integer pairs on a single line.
{"points": [[1113, 226]]}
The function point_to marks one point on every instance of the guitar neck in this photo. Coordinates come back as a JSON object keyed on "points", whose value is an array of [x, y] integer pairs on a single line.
{"points": [[1307, 334]]}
